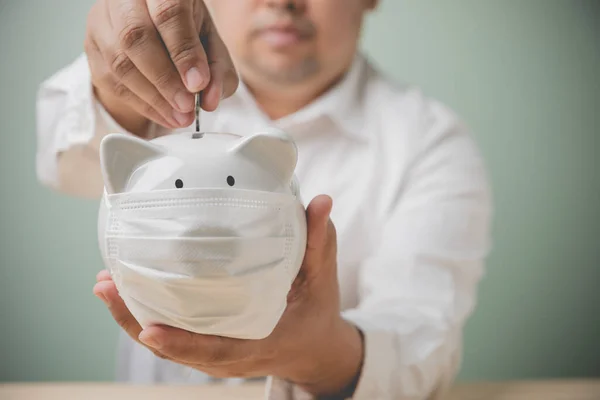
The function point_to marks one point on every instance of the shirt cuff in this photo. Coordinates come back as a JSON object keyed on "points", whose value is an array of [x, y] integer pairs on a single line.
{"points": [[381, 376], [278, 389], [377, 366]]}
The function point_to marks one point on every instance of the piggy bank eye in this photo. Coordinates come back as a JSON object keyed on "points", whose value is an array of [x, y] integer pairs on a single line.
{"points": [[230, 180], [178, 183]]}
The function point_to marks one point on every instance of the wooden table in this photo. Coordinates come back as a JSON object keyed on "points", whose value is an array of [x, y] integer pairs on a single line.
{"points": [[523, 390]]}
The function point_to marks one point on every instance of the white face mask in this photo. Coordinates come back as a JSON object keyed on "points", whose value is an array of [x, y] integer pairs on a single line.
{"points": [[215, 260]]}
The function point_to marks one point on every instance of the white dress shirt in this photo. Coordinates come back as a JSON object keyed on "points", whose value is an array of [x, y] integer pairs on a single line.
{"points": [[411, 204]]}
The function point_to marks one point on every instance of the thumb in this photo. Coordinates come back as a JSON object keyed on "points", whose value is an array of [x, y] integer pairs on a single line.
{"points": [[318, 232], [317, 216], [317, 227]]}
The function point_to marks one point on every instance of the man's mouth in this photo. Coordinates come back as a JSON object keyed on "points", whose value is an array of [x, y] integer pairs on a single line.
{"points": [[278, 37], [281, 35]]}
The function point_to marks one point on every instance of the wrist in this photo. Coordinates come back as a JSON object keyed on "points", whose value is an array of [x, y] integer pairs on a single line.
{"points": [[337, 367]]}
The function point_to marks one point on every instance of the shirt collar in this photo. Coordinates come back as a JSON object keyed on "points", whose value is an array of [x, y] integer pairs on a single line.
{"points": [[341, 103]]}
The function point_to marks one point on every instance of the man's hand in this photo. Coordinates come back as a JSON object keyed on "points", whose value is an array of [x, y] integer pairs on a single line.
{"points": [[312, 346], [147, 60]]}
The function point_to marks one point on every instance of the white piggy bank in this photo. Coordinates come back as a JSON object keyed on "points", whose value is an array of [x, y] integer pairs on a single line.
{"points": [[204, 232]]}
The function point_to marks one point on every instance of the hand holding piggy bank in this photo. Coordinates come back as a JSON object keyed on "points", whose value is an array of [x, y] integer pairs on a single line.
{"points": [[203, 232]]}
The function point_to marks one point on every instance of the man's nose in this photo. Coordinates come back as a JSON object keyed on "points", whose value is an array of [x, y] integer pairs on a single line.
{"points": [[292, 6]]}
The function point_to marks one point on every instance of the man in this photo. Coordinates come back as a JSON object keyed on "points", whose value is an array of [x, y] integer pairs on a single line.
{"points": [[403, 183]]}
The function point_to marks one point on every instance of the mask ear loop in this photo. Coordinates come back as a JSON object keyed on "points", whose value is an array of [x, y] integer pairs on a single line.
{"points": [[295, 187], [105, 199], [114, 272]]}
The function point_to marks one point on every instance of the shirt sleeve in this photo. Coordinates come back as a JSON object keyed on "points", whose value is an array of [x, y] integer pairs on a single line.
{"points": [[419, 287], [64, 117], [70, 125]]}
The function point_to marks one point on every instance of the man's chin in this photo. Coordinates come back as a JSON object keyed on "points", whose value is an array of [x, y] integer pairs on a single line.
{"points": [[284, 70]]}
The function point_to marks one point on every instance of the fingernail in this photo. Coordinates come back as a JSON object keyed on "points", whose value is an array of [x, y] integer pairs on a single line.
{"points": [[149, 341], [182, 119], [184, 101], [194, 79]]}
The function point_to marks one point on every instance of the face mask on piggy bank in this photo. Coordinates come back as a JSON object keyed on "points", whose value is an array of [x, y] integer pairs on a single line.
{"points": [[203, 232]]}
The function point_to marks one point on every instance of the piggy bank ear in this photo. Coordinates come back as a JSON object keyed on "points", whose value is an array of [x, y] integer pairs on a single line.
{"points": [[273, 149], [121, 155]]}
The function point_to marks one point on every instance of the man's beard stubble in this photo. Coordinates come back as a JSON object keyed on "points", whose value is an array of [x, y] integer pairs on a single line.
{"points": [[294, 74]]}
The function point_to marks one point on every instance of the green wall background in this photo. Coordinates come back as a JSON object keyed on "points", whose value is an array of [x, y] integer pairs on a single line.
{"points": [[524, 74]]}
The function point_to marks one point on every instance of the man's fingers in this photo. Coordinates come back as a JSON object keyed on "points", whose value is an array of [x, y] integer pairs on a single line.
{"points": [[174, 20], [211, 96], [135, 90], [185, 346], [103, 275], [141, 46], [224, 79], [107, 291], [123, 90], [117, 75], [222, 60]]}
